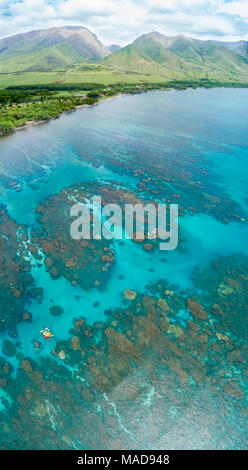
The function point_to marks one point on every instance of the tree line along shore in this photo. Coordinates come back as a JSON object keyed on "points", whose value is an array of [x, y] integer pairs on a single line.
{"points": [[24, 104]]}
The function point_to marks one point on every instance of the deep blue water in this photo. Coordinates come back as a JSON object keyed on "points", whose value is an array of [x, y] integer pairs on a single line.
{"points": [[208, 125]]}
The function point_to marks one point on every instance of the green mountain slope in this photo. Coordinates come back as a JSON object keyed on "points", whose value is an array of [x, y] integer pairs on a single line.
{"points": [[144, 56], [151, 54], [179, 57], [240, 47], [45, 50]]}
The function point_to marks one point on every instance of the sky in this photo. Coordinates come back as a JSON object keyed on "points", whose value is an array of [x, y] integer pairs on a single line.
{"points": [[121, 21]]}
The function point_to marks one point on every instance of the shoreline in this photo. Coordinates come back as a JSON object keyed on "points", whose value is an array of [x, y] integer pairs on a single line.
{"points": [[81, 106], [45, 121]]}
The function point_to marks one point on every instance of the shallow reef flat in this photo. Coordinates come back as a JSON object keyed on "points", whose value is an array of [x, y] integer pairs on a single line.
{"points": [[17, 286], [150, 347], [86, 263], [163, 360]]}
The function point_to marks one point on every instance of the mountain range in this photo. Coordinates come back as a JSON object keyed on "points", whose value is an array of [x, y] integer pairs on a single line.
{"points": [[241, 47], [171, 57], [47, 49], [180, 56]]}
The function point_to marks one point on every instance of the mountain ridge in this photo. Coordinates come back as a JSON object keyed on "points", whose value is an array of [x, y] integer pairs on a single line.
{"points": [[171, 56], [43, 49], [179, 56]]}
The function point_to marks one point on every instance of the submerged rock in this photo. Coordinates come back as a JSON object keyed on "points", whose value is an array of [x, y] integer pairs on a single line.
{"points": [[161, 303], [129, 294], [175, 330], [196, 309], [26, 365], [75, 343], [27, 316], [61, 355], [224, 289], [56, 310], [8, 348], [148, 246]]}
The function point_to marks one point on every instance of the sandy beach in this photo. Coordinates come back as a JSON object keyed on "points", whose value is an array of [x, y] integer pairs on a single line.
{"points": [[44, 121]]}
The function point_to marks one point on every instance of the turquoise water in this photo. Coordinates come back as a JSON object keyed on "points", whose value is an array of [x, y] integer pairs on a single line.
{"points": [[198, 139]]}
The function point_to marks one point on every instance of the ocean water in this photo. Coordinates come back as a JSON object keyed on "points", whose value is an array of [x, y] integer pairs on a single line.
{"points": [[190, 146]]}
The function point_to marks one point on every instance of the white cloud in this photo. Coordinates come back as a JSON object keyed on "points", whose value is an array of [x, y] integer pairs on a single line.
{"points": [[121, 21], [180, 5], [239, 8]]}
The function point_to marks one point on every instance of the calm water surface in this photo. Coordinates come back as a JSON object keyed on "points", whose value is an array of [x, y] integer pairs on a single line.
{"points": [[136, 409]]}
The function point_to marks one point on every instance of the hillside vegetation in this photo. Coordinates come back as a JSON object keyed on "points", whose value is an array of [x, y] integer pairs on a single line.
{"points": [[180, 57], [151, 57], [46, 50], [47, 72]]}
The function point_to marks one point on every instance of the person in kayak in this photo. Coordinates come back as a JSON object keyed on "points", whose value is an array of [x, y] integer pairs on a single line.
{"points": [[47, 333]]}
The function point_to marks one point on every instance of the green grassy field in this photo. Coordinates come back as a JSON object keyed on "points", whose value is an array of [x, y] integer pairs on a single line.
{"points": [[37, 96], [105, 76]]}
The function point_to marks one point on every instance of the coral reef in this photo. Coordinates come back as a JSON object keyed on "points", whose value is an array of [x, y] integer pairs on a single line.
{"points": [[17, 286], [144, 358]]}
